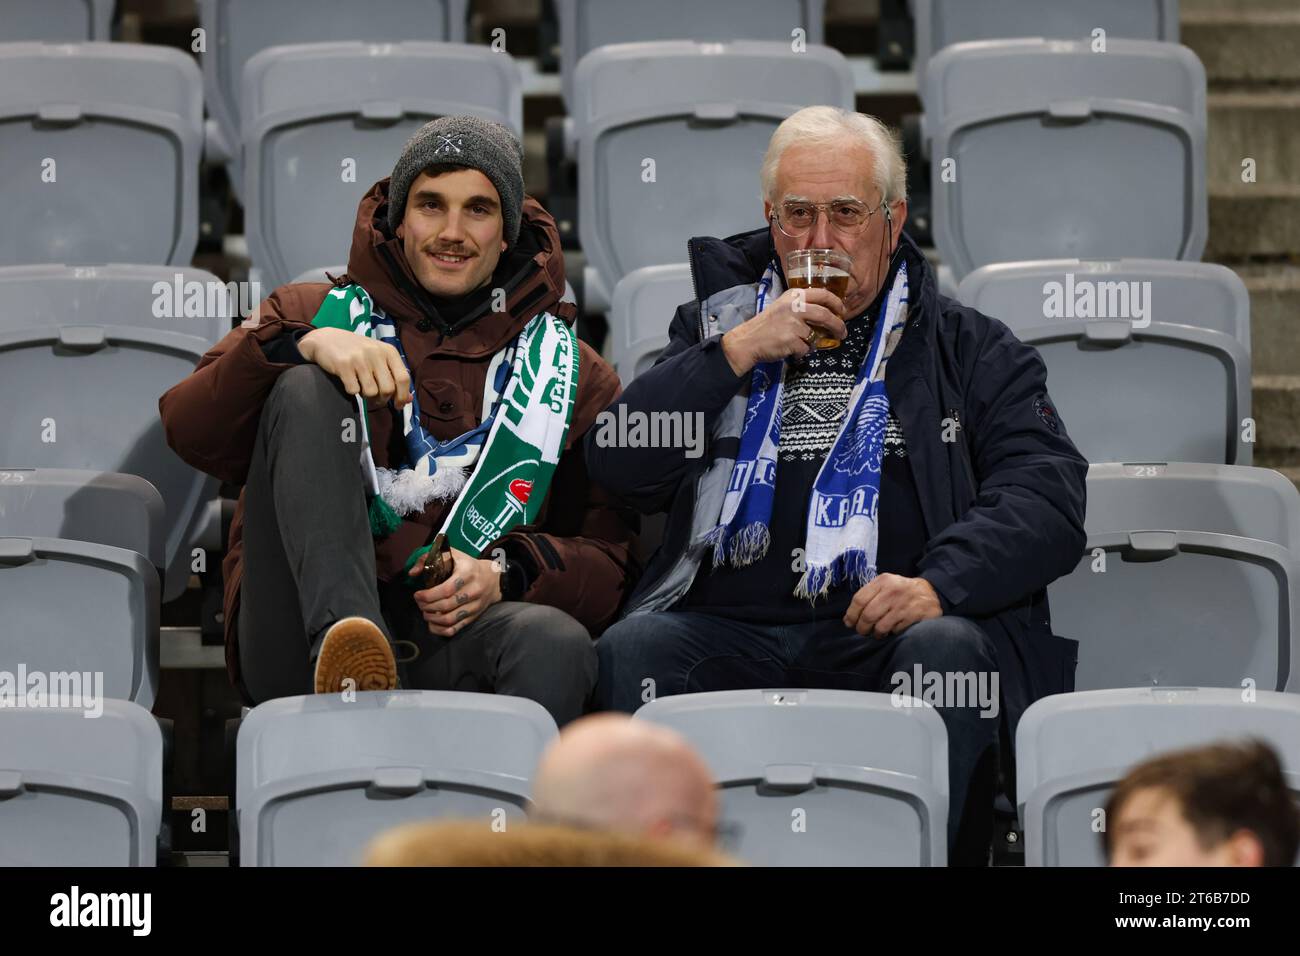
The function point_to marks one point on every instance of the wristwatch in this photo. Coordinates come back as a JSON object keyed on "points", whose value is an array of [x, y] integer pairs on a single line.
{"points": [[514, 581]]}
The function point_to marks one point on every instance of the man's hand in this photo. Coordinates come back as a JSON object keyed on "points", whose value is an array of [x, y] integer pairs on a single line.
{"points": [[364, 366], [474, 586], [890, 603], [781, 330]]}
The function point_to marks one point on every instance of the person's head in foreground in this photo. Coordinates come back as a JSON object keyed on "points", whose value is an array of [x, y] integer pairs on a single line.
{"points": [[611, 773], [1221, 805]]}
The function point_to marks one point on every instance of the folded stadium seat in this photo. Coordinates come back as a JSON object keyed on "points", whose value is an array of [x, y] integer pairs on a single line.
{"points": [[1042, 149], [1201, 580], [80, 792], [308, 109], [319, 776], [670, 137], [92, 349], [1071, 750], [1148, 360], [236, 30], [167, 298], [820, 777], [114, 131], [588, 24], [121, 511], [643, 306], [90, 401], [77, 607], [943, 22], [56, 21]]}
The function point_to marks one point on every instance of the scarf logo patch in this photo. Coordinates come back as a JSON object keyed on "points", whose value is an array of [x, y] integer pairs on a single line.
{"points": [[521, 488], [860, 453]]}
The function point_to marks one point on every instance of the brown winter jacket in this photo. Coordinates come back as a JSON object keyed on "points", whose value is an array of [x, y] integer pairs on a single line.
{"points": [[581, 544]]}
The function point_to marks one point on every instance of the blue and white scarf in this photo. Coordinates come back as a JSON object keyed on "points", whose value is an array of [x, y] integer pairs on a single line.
{"points": [[842, 523]]}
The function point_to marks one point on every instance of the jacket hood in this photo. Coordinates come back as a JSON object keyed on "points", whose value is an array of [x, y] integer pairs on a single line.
{"points": [[531, 271]]}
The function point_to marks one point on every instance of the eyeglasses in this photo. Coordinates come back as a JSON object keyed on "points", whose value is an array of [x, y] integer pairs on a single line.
{"points": [[796, 218]]}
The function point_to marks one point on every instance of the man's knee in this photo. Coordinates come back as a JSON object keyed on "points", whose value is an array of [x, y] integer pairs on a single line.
{"points": [[304, 388], [948, 643], [547, 633], [638, 640], [634, 661]]}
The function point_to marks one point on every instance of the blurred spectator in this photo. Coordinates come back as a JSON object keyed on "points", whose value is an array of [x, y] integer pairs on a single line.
{"points": [[609, 772], [472, 843], [1221, 805]]}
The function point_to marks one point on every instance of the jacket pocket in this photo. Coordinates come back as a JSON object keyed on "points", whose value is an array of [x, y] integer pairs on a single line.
{"points": [[444, 407], [963, 454]]}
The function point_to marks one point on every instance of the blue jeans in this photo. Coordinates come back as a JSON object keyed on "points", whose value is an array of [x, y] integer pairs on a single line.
{"points": [[687, 652]]}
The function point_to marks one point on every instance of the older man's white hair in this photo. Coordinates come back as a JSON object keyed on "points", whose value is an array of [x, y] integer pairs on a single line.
{"points": [[829, 126]]}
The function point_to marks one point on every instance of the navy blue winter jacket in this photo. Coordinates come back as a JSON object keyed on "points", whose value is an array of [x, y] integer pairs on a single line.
{"points": [[1003, 504]]}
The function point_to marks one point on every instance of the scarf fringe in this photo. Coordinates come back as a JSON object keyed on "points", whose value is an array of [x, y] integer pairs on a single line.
{"points": [[744, 546], [408, 491], [748, 544], [854, 564]]}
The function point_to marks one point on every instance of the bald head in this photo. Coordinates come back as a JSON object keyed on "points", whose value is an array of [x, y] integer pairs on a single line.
{"points": [[615, 773]]}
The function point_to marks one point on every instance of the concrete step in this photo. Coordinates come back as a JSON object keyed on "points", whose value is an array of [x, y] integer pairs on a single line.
{"points": [[1253, 219], [1276, 404], [1274, 317], [1263, 126], [1251, 45]]}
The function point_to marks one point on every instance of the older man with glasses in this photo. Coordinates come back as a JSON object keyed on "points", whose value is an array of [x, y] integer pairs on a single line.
{"points": [[886, 490]]}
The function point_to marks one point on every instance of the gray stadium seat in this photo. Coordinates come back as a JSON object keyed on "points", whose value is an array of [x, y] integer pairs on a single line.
{"points": [[56, 21], [73, 606], [118, 127], [237, 30], [870, 777], [1108, 151], [703, 112], [150, 297], [1071, 750], [90, 401], [319, 776], [80, 792], [1201, 586], [588, 24], [643, 307], [943, 22], [1172, 384], [309, 108], [122, 511]]}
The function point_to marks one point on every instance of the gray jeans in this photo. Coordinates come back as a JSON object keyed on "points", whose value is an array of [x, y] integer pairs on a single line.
{"points": [[309, 560]]}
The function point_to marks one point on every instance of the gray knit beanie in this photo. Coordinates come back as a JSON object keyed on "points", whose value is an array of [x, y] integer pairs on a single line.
{"points": [[463, 141]]}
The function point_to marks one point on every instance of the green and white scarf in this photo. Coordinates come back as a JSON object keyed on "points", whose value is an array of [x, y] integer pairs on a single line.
{"points": [[499, 471]]}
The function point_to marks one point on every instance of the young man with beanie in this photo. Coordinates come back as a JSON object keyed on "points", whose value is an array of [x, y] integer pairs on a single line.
{"points": [[436, 386]]}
